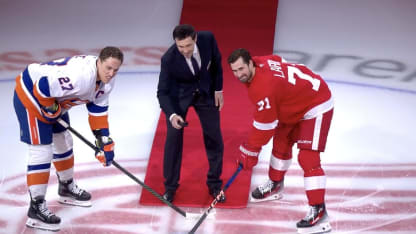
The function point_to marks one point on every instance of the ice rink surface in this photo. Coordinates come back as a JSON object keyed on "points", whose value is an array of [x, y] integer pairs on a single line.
{"points": [[370, 161]]}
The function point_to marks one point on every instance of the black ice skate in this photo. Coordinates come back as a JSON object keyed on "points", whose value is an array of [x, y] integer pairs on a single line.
{"points": [[40, 217], [316, 221], [271, 190], [70, 194]]}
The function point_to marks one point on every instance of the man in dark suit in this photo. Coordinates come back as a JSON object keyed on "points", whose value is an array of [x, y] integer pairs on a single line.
{"points": [[191, 75]]}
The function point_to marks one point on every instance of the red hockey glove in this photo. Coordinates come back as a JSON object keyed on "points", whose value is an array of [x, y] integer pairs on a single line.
{"points": [[248, 156]]}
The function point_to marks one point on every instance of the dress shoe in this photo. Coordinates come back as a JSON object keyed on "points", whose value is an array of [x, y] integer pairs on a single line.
{"points": [[215, 192], [169, 195]]}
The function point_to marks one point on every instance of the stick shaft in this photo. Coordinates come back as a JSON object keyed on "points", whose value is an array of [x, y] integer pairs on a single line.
{"points": [[204, 216], [95, 148]]}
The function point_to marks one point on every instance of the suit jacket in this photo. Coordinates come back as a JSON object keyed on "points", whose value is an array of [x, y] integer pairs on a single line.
{"points": [[178, 83]]}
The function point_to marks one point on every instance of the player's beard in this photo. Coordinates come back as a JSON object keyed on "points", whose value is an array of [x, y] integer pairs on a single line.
{"points": [[243, 79], [246, 78]]}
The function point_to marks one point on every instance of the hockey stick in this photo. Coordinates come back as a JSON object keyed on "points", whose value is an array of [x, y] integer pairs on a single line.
{"points": [[96, 149], [215, 201]]}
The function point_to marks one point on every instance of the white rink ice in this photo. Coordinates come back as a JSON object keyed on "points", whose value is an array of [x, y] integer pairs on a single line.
{"points": [[370, 161]]}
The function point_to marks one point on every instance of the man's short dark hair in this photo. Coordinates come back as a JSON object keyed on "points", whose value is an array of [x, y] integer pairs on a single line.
{"points": [[183, 31], [111, 51], [236, 54]]}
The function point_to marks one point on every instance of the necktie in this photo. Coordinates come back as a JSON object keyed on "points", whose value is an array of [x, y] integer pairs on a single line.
{"points": [[195, 66]]}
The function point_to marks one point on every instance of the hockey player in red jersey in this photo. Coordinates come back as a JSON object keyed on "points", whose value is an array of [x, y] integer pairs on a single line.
{"points": [[293, 105], [44, 93]]}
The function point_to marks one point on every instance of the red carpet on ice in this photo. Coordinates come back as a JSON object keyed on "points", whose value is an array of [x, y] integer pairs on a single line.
{"points": [[235, 23]]}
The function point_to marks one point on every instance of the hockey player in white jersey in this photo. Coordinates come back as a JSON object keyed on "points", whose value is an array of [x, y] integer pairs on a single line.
{"points": [[44, 93]]}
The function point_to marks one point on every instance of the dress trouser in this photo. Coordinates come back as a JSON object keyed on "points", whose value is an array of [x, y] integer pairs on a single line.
{"points": [[209, 117]]}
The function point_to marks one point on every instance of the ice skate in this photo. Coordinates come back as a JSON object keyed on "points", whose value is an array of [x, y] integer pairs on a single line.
{"points": [[71, 194], [316, 221], [271, 190], [40, 217]]}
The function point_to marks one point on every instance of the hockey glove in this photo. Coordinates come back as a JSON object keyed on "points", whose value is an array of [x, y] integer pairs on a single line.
{"points": [[248, 157], [106, 146], [51, 113]]}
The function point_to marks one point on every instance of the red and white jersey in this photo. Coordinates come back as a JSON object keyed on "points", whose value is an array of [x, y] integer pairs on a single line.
{"points": [[284, 92], [69, 81]]}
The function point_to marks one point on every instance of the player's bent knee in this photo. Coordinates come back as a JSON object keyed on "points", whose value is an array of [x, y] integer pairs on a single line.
{"points": [[40, 154], [62, 142], [309, 159]]}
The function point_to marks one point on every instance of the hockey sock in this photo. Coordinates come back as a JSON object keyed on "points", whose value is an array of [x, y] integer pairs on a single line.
{"points": [[314, 176]]}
